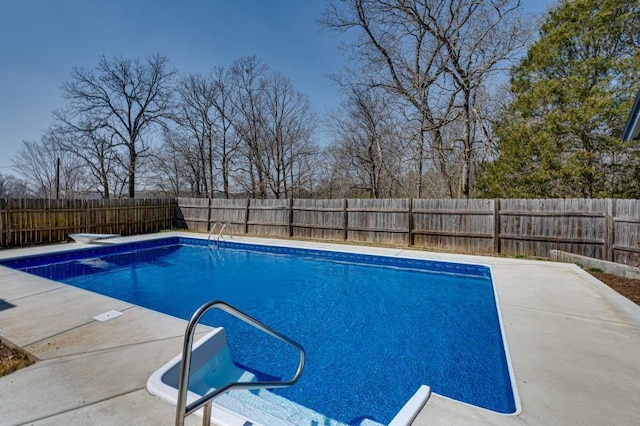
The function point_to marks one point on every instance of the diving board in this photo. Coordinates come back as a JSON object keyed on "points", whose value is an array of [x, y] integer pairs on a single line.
{"points": [[87, 238]]}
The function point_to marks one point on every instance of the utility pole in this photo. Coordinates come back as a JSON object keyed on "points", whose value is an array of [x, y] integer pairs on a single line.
{"points": [[58, 178]]}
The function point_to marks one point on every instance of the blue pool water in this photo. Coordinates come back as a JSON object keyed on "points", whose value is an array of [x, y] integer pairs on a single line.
{"points": [[374, 328]]}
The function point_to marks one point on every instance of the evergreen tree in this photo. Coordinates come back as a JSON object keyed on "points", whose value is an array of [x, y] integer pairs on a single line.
{"points": [[561, 136]]}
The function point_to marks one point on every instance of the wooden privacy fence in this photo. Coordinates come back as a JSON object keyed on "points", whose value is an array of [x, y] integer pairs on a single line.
{"points": [[33, 221], [600, 228]]}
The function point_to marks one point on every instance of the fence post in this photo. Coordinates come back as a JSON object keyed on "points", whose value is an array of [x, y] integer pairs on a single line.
{"points": [[496, 226], [177, 221], [3, 235], [145, 226], [7, 223], [86, 216], [411, 236], [345, 221], [208, 214], [609, 229], [246, 216], [290, 217]]}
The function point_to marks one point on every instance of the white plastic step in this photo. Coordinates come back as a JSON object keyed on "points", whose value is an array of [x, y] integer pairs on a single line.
{"points": [[270, 409], [369, 422]]}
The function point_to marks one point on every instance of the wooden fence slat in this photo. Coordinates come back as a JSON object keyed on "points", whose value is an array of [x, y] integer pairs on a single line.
{"points": [[345, 221], [550, 214], [628, 249], [609, 229], [410, 230], [316, 209], [374, 210], [454, 234], [454, 212], [551, 239], [496, 226], [625, 219], [309, 226]]}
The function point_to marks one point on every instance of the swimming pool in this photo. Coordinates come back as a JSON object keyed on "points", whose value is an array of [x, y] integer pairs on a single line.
{"points": [[374, 328]]}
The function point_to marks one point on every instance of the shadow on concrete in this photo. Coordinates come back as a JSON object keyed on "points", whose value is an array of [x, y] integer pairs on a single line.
{"points": [[4, 305]]}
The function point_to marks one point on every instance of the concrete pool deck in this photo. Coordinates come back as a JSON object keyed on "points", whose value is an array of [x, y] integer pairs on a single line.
{"points": [[574, 346]]}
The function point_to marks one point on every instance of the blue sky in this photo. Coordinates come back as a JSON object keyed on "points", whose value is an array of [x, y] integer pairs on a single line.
{"points": [[42, 40]]}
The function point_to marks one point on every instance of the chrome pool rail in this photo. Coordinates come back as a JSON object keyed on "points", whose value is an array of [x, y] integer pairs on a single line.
{"points": [[222, 225], [182, 409]]}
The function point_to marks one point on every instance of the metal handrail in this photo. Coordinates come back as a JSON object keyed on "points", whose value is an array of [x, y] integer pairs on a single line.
{"points": [[213, 228], [182, 409], [222, 228], [224, 225]]}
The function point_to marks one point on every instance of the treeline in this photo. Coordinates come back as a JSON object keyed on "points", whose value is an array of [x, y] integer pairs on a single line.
{"points": [[426, 113], [137, 125]]}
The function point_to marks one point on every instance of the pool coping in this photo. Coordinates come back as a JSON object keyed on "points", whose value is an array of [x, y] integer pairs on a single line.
{"points": [[570, 338]]}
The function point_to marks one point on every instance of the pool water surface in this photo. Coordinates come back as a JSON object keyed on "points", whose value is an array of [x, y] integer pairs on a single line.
{"points": [[374, 328]]}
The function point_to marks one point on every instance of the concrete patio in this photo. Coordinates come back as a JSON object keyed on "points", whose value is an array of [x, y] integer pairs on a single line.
{"points": [[574, 346]]}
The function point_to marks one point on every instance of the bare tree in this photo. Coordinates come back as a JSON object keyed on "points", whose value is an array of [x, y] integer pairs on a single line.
{"points": [[197, 118], [179, 165], [36, 161], [367, 150], [435, 55], [228, 141], [205, 115], [286, 132], [13, 187], [248, 76], [243, 128], [395, 53], [478, 37], [119, 104], [168, 177], [96, 154]]}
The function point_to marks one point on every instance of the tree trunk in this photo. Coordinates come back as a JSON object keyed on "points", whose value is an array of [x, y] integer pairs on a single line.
{"points": [[468, 147], [132, 173]]}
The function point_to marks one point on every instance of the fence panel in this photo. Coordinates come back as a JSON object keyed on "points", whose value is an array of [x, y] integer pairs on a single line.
{"points": [[107, 217], [454, 224], [626, 223], [37, 221], [192, 214], [533, 227], [383, 221], [160, 214], [269, 217], [230, 211], [597, 228], [319, 219]]}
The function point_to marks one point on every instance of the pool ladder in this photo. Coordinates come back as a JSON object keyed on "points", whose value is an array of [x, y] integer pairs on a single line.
{"points": [[222, 226], [182, 409]]}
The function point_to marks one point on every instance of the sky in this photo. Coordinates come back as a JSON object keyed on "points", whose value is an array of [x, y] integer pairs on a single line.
{"points": [[42, 40]]}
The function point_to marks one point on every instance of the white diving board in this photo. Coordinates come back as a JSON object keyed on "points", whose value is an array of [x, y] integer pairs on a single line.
{"points": [[91, 238]]}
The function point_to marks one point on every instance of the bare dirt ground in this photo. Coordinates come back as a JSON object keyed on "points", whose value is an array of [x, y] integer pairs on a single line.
{"points": [[627, 287], [12, 360]]}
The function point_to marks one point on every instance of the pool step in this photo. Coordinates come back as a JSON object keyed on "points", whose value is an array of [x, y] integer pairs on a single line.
{"points": [[268, 409]]}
